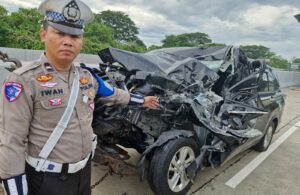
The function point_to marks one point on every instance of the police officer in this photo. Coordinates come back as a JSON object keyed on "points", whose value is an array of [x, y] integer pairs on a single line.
{"points": [[46, 110]]}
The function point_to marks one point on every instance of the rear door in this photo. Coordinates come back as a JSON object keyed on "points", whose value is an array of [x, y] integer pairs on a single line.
{"points": [[270, 95]]}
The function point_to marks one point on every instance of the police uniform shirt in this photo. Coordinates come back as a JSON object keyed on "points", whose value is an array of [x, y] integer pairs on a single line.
{"points": [[34, 99]]}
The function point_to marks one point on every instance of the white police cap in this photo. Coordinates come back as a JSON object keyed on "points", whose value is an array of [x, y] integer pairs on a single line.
{"points": [[68, 16]]}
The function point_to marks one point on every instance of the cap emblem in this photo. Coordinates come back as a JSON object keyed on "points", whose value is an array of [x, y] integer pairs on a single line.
{"points": [[71, 12]]}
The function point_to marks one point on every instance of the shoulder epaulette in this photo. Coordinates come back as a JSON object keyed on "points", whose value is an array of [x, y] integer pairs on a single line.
{"points": [[26, 68]]}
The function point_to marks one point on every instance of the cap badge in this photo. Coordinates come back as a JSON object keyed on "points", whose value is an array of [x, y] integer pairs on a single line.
{"points": [[71, 12], [44, 78]]}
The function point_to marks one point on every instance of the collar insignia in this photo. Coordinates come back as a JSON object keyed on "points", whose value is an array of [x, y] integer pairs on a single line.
{"points": [[44, 78], [48, 67], [84, 80]]}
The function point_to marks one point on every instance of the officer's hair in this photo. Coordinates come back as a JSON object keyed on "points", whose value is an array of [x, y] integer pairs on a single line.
{"points": [[44, 24]]}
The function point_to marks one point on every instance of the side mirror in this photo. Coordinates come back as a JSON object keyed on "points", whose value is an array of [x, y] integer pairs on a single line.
{"points": [[297, 17]]}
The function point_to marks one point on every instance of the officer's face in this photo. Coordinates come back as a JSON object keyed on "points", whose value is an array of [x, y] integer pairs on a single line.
{"points": [[60, 47]]}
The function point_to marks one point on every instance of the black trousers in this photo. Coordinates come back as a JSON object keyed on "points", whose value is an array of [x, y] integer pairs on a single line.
{"points": [[44, 183]]}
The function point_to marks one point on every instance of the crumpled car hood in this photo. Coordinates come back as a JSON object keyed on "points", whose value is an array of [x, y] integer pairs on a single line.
{"points": [[181, 69]]}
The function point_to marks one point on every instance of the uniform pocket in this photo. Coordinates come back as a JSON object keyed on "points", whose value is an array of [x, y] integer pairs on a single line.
{"points": [[49, 111]]}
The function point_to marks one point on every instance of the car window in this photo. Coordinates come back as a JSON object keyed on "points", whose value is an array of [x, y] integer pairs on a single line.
{"points": [[263, 85], [273, 82]]}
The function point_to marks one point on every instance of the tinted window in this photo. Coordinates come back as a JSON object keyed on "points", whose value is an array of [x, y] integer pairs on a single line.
{"points": [[273, 81], [263, 83]]}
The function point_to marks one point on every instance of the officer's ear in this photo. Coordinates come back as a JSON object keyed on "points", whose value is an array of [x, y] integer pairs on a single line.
{"points": [[43, 35]]}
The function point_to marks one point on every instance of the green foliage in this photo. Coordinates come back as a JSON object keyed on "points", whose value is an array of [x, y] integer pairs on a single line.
{"points": [[124, 29], [4, 32], [279, 62], [3, 11], [186, 40], [296, 61], [153, 47], [97, 37], [133, 46], [257, 51], [21, 29]]}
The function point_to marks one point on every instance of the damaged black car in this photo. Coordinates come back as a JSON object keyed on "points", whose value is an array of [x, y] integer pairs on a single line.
{"points": [[214, 103]]}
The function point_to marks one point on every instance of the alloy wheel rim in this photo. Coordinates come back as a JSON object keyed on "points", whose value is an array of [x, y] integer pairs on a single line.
{"points": [[268, 137], [177, 178]]}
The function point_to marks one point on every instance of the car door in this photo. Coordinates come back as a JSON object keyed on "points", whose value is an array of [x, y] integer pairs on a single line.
{"points": [[277, 101], [269, 93]]}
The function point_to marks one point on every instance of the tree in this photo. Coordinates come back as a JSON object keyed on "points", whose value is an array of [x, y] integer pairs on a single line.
{"points": [[296, 61], [20, 29], [257, 51], [279, 62], [133, 46], [153, 47], [3, 11], [97, 36], [186, 40], [124, 29]]}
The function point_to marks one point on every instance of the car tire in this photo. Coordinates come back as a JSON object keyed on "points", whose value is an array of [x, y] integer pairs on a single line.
{"points": [[265, 142], [169, 162]]}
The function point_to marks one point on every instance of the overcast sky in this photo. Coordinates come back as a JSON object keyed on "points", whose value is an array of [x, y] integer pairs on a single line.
{"points": [[239, 22]]}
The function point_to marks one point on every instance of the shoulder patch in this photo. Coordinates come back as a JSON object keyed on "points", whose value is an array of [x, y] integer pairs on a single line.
{"points": [[12, 91], [26, 68]]}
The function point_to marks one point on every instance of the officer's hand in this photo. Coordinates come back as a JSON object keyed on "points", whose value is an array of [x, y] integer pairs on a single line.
{"points": [[151, 102]]}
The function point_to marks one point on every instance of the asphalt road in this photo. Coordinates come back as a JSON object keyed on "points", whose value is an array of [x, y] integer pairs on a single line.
{"points": [[278, 174]]}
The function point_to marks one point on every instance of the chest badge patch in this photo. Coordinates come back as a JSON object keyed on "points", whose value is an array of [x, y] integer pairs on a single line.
{"points": [[55, 101], [84, 80], [44, 78], [12, 91], [49, 84]]}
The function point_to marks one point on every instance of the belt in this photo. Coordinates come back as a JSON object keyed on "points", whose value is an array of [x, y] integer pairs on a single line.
{"points": [[54, 167]]}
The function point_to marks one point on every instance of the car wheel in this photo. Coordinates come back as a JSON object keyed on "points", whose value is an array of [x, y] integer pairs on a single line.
{"points": [[167, 169], [265, 142]]}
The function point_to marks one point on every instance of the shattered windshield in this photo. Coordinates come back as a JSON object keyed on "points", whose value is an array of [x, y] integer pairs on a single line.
{"points": [[214, 65]]}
